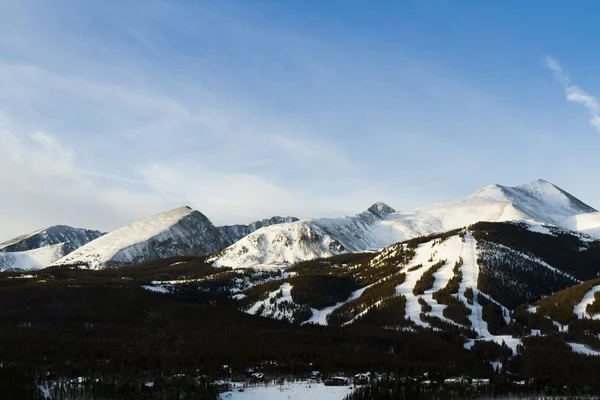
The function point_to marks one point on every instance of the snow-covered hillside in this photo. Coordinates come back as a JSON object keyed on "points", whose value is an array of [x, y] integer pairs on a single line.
{"points": [[312, 238], [381, 225], [233, 233], [40, 248], [178, 232], [588, 223], [539, 200], [470, 280], [31, 259]]}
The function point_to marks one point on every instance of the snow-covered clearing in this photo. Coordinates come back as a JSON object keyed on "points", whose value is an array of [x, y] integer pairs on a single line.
{"points": [[31, 259], [289, 390], [268, 306], [579, 309], [583, 349], [157, 289]]}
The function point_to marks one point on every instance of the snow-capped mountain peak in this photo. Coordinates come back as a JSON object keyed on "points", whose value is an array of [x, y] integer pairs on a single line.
{"points": [[42, 247], [178, 232], [380, 208], [71, 237], [539, 200], [380, 225]]}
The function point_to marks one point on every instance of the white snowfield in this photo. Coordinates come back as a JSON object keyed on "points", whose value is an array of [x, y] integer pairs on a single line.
{"points": [[538, 202], [587, 299], [177, 232], [583, 349], [289, 390], [586, 223], [31, 259], [40, 248], [268, 307]]}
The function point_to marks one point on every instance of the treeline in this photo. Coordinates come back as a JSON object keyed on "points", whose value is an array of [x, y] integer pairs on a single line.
{"points": [[559, 306], [389, 313], [551, 363], [455, 309], [415, 242], [427, 280], [320, 291], [58, 331], [382, 290], [342, 263], [492, 314], [395, 256], [568, 253], [512, 279], [459, 331]]}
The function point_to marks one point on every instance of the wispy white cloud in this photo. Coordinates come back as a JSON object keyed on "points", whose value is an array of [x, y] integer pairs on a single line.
{"points": [[43, 184], [574, 93]]}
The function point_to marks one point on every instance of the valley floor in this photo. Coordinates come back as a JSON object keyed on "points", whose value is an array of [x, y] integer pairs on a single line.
{"points": [[289, 390]]}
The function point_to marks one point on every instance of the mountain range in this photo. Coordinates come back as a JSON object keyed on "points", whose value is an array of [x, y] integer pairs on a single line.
{"points": [[281, 241], [538, 202], [181, 231]]}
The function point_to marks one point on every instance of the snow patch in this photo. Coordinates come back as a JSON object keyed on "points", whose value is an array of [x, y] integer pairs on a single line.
{"points": [[588, 299]]}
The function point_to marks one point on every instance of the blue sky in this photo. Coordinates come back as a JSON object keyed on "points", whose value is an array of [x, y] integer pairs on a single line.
{"points": [[114, 110]]}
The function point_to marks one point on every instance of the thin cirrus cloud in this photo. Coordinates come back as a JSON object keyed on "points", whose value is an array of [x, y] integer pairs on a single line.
{"points": [[574, 93]]}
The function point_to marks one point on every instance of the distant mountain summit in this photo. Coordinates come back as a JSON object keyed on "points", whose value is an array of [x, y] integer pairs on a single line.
{"points": [[178, 232], [380, 225], [41, 248], [381, 208], [539, 200], [72, 238]]}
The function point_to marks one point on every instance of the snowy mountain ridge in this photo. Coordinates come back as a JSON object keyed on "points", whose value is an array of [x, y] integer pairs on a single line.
{"points": [[181, 231], [42, 247], [281, 241], [380, 225], [31, 259], [233, 233], [72, 238]]}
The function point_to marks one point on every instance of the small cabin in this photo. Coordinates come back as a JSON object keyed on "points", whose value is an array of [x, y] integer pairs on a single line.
{"points": [[222, 386], [455, 382], [336, 381], [362, 379]]}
